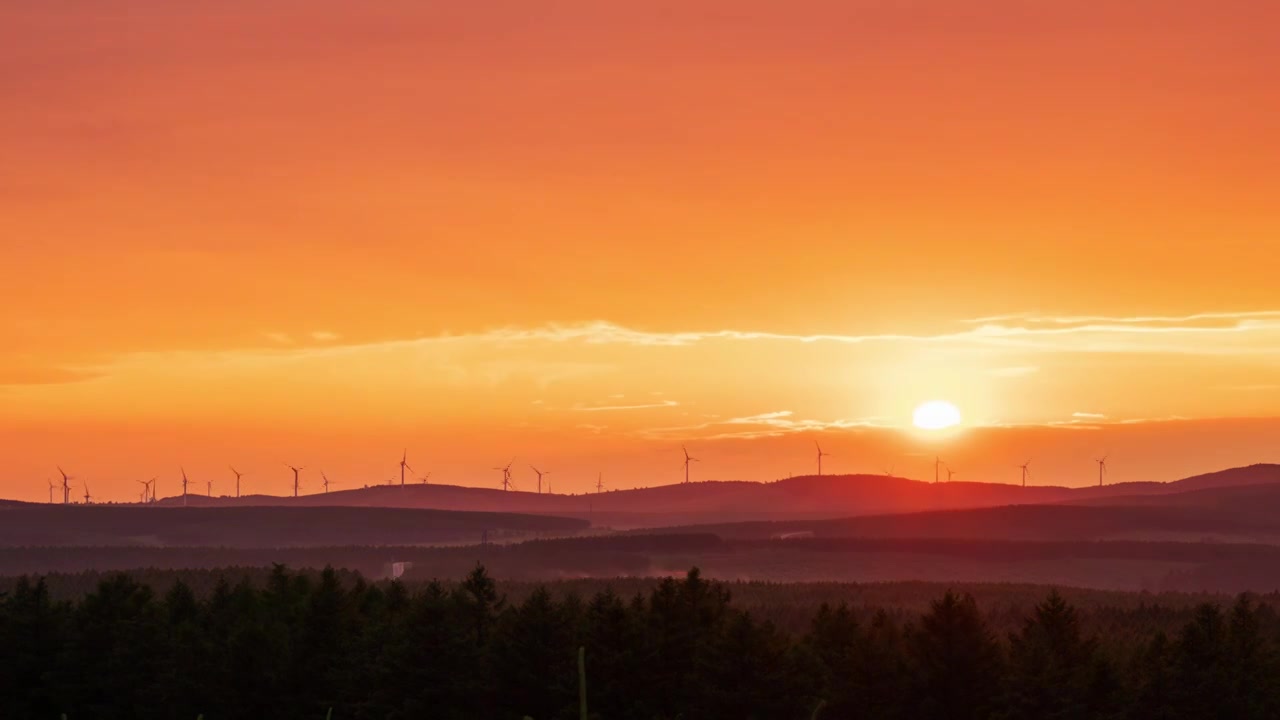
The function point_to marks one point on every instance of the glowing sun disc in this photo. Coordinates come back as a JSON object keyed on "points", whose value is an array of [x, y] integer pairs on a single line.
{"points": [[935, 415]]}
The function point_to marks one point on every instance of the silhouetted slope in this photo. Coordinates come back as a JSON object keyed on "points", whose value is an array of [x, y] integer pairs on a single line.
{"points": [[1247, 500], [807, 497], [89, 525], [1028, 522]]}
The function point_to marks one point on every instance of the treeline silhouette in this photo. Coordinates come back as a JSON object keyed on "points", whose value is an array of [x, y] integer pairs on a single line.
{"points": [[299, 644]]}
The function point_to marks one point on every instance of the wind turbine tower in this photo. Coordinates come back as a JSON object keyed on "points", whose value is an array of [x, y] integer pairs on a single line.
{"points": [[820, 456], [66, 485], [936, 464], [540, 474], [52, 485], [1102, 468], [88, 499], [404, 465], [600, 483], [295, 470], [1026, 472], [687, 459], [184, 487], [238, 476], [506, 475]]}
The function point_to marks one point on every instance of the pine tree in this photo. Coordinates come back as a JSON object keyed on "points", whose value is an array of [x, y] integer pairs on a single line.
{"points": [[534, 665], [955, 661], [1051, 667]]}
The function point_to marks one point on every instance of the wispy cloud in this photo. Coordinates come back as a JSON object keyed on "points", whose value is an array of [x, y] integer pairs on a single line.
{"points": [[489, 358], [325, 336], [612, 408], [1255, 332], [1088, 416], [1205, 318], [769, 424]]}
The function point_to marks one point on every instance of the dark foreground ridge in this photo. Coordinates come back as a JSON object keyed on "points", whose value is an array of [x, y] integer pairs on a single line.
{"points": [[303, 645]]}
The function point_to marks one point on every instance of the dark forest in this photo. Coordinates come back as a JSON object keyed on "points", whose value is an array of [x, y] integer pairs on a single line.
{"points": [[302, 645]]}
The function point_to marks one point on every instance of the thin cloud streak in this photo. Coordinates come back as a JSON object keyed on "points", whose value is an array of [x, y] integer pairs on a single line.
{"points": [[613, 408], [1263, 325], [1138, 319], [770, 424], [1235, 334]]}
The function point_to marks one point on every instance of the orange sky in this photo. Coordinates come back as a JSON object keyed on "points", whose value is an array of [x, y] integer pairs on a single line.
{"points": [[583, 233]]}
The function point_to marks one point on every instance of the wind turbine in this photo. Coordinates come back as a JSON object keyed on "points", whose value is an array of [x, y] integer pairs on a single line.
{"points": [[238, 476], [184, 487], [1026, 472], [88, 499], [936, 464], [208, 488], [66, 485], [687, 459], [52, 485], [950, 472], [425, 478], [540, 474], [404, 465], [506, 475], [1102, 468], [888, 471], [145, 487], [295, 470], [820, 456], [600, 483], [326, 480]]}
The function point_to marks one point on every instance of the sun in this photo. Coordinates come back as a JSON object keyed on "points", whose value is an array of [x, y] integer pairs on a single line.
{"points": [[936, 415]]}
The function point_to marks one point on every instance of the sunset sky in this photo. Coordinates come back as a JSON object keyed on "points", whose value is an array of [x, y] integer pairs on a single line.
{"points": [[584, 233]]}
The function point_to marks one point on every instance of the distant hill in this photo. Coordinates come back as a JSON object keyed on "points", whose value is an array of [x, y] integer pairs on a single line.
{"points": [[1245, 500], [106, 525], [1228, 520], [1240, 481], [799, 498]]}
